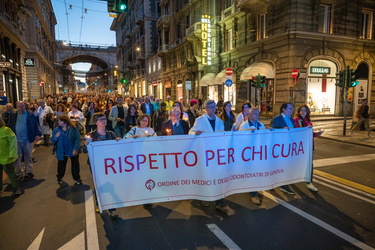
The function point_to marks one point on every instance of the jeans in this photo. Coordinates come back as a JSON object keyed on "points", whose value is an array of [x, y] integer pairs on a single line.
{"points": [[120, 131], [25, 149], [61, 167]]}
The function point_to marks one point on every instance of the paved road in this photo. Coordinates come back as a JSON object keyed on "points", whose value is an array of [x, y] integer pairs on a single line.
{"points": [[339, 216]]}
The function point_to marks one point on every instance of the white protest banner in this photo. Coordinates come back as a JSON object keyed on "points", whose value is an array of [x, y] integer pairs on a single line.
{"points": [[205, 167]]}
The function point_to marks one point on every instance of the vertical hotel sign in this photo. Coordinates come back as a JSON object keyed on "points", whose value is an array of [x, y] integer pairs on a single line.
{"points": [[206, 40]]}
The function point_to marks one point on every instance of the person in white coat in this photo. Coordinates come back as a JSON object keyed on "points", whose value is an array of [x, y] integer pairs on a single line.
{"points": [[209, 123], [44, 114]]}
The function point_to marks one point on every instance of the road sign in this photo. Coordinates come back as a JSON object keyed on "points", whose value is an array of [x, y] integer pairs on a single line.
{"points": [[188, 85], [228, 83], [228, 71], [295, 73]]}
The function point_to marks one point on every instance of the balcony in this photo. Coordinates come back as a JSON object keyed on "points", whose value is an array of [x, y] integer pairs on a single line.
{"points": [[164, 22], [194, 32], [229, 11], [163, 50]]}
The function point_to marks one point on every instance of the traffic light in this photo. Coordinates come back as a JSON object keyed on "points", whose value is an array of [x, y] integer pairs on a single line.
{"points": [[121, 6], [124, 81], [252, 81], [340, 78], [353, 76]]}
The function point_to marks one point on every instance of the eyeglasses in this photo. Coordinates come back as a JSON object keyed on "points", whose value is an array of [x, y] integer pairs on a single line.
{"points": [[102, 119]]}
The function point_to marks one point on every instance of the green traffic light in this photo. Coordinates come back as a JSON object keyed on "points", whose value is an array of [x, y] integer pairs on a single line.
{"points": [[122, 7]]}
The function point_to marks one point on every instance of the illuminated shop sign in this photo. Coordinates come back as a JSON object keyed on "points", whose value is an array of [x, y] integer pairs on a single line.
{"points": [[320, 70], [206, 40]]}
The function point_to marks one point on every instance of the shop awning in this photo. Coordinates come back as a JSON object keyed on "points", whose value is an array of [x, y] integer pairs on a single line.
{"points": [[222, 77], [264, 69], [207, 79]]}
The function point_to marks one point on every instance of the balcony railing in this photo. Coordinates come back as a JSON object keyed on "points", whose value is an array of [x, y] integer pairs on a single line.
{"points": [[164, 21]]}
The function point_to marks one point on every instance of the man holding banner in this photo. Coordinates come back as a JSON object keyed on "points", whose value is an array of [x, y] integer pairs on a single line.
{"points": [[209, 123], [285, 121]]}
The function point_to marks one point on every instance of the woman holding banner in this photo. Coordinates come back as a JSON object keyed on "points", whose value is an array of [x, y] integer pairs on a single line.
{"points": [[228, 117], [142, 129], [101, 134], [303, 120]]}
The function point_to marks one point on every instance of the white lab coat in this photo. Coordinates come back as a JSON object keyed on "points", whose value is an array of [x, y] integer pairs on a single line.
{"points": [[202, 124]]}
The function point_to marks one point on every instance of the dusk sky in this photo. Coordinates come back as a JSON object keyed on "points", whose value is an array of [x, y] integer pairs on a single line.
{"points": [[93, 28]]}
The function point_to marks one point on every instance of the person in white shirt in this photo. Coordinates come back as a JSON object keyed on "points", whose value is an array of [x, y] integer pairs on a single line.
{"points": [[253, 123], [209, 123], [142, 129], [44, 114], [77, 118], [242, 117]]}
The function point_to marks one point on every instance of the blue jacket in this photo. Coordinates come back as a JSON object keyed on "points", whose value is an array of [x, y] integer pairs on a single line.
{"points": [[31, 122], [73, 136]]}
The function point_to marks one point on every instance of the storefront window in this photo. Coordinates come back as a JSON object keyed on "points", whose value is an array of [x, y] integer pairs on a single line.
{"points": [[230, 94], [321, 92]]}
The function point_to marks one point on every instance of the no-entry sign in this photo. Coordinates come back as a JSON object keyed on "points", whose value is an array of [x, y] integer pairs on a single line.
{"points": [[228, 71], [295, 73]]}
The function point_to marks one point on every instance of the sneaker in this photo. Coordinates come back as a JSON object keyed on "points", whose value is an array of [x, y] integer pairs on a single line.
{"points": [[205, 203], [286, 189], [222, 208], [113, 214], [29, 175], [17, 191], [59, 181], [78, 183], [255, 199], [311, 187]]}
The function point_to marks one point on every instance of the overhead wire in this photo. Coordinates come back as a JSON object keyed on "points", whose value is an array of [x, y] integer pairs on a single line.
{"points": [[67, 19], [82, 17]]}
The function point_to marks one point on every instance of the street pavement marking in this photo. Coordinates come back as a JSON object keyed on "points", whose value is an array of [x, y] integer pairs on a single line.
{"points": [[36, 243], [91, 230], [343, 160], [319, 222], [223, 237], [344, 191], [77, 243], [345, 181]]}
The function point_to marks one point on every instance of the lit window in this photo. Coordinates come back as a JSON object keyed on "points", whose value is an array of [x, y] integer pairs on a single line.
{"points": [[262, 26], [324, 18], [367, 22]]}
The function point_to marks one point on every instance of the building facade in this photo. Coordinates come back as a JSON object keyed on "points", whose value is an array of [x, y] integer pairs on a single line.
{"points": [[199, 41], [27, 46]]}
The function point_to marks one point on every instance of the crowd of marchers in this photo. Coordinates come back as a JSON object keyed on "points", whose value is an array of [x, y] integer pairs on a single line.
{"points": [[65, 119]]}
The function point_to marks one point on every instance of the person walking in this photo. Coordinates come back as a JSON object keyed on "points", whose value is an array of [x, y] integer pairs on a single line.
{"points": [[242, 117], [253, 123], [142, 129], [24, 124], [117, 116], [45, 114], [8, 156], [169, 103], [89, 114], [160, 116], [60, 110], [192, 112], [227, 116], [131, 118], [175, 126], [101, 134], [302, 119], [8, 112], [284, 121], [363, 117], [68, 139], [147, 107], [209, 123]]}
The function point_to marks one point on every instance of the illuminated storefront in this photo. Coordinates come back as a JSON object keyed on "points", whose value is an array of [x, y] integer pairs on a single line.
{"points": [[321, 91]]}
